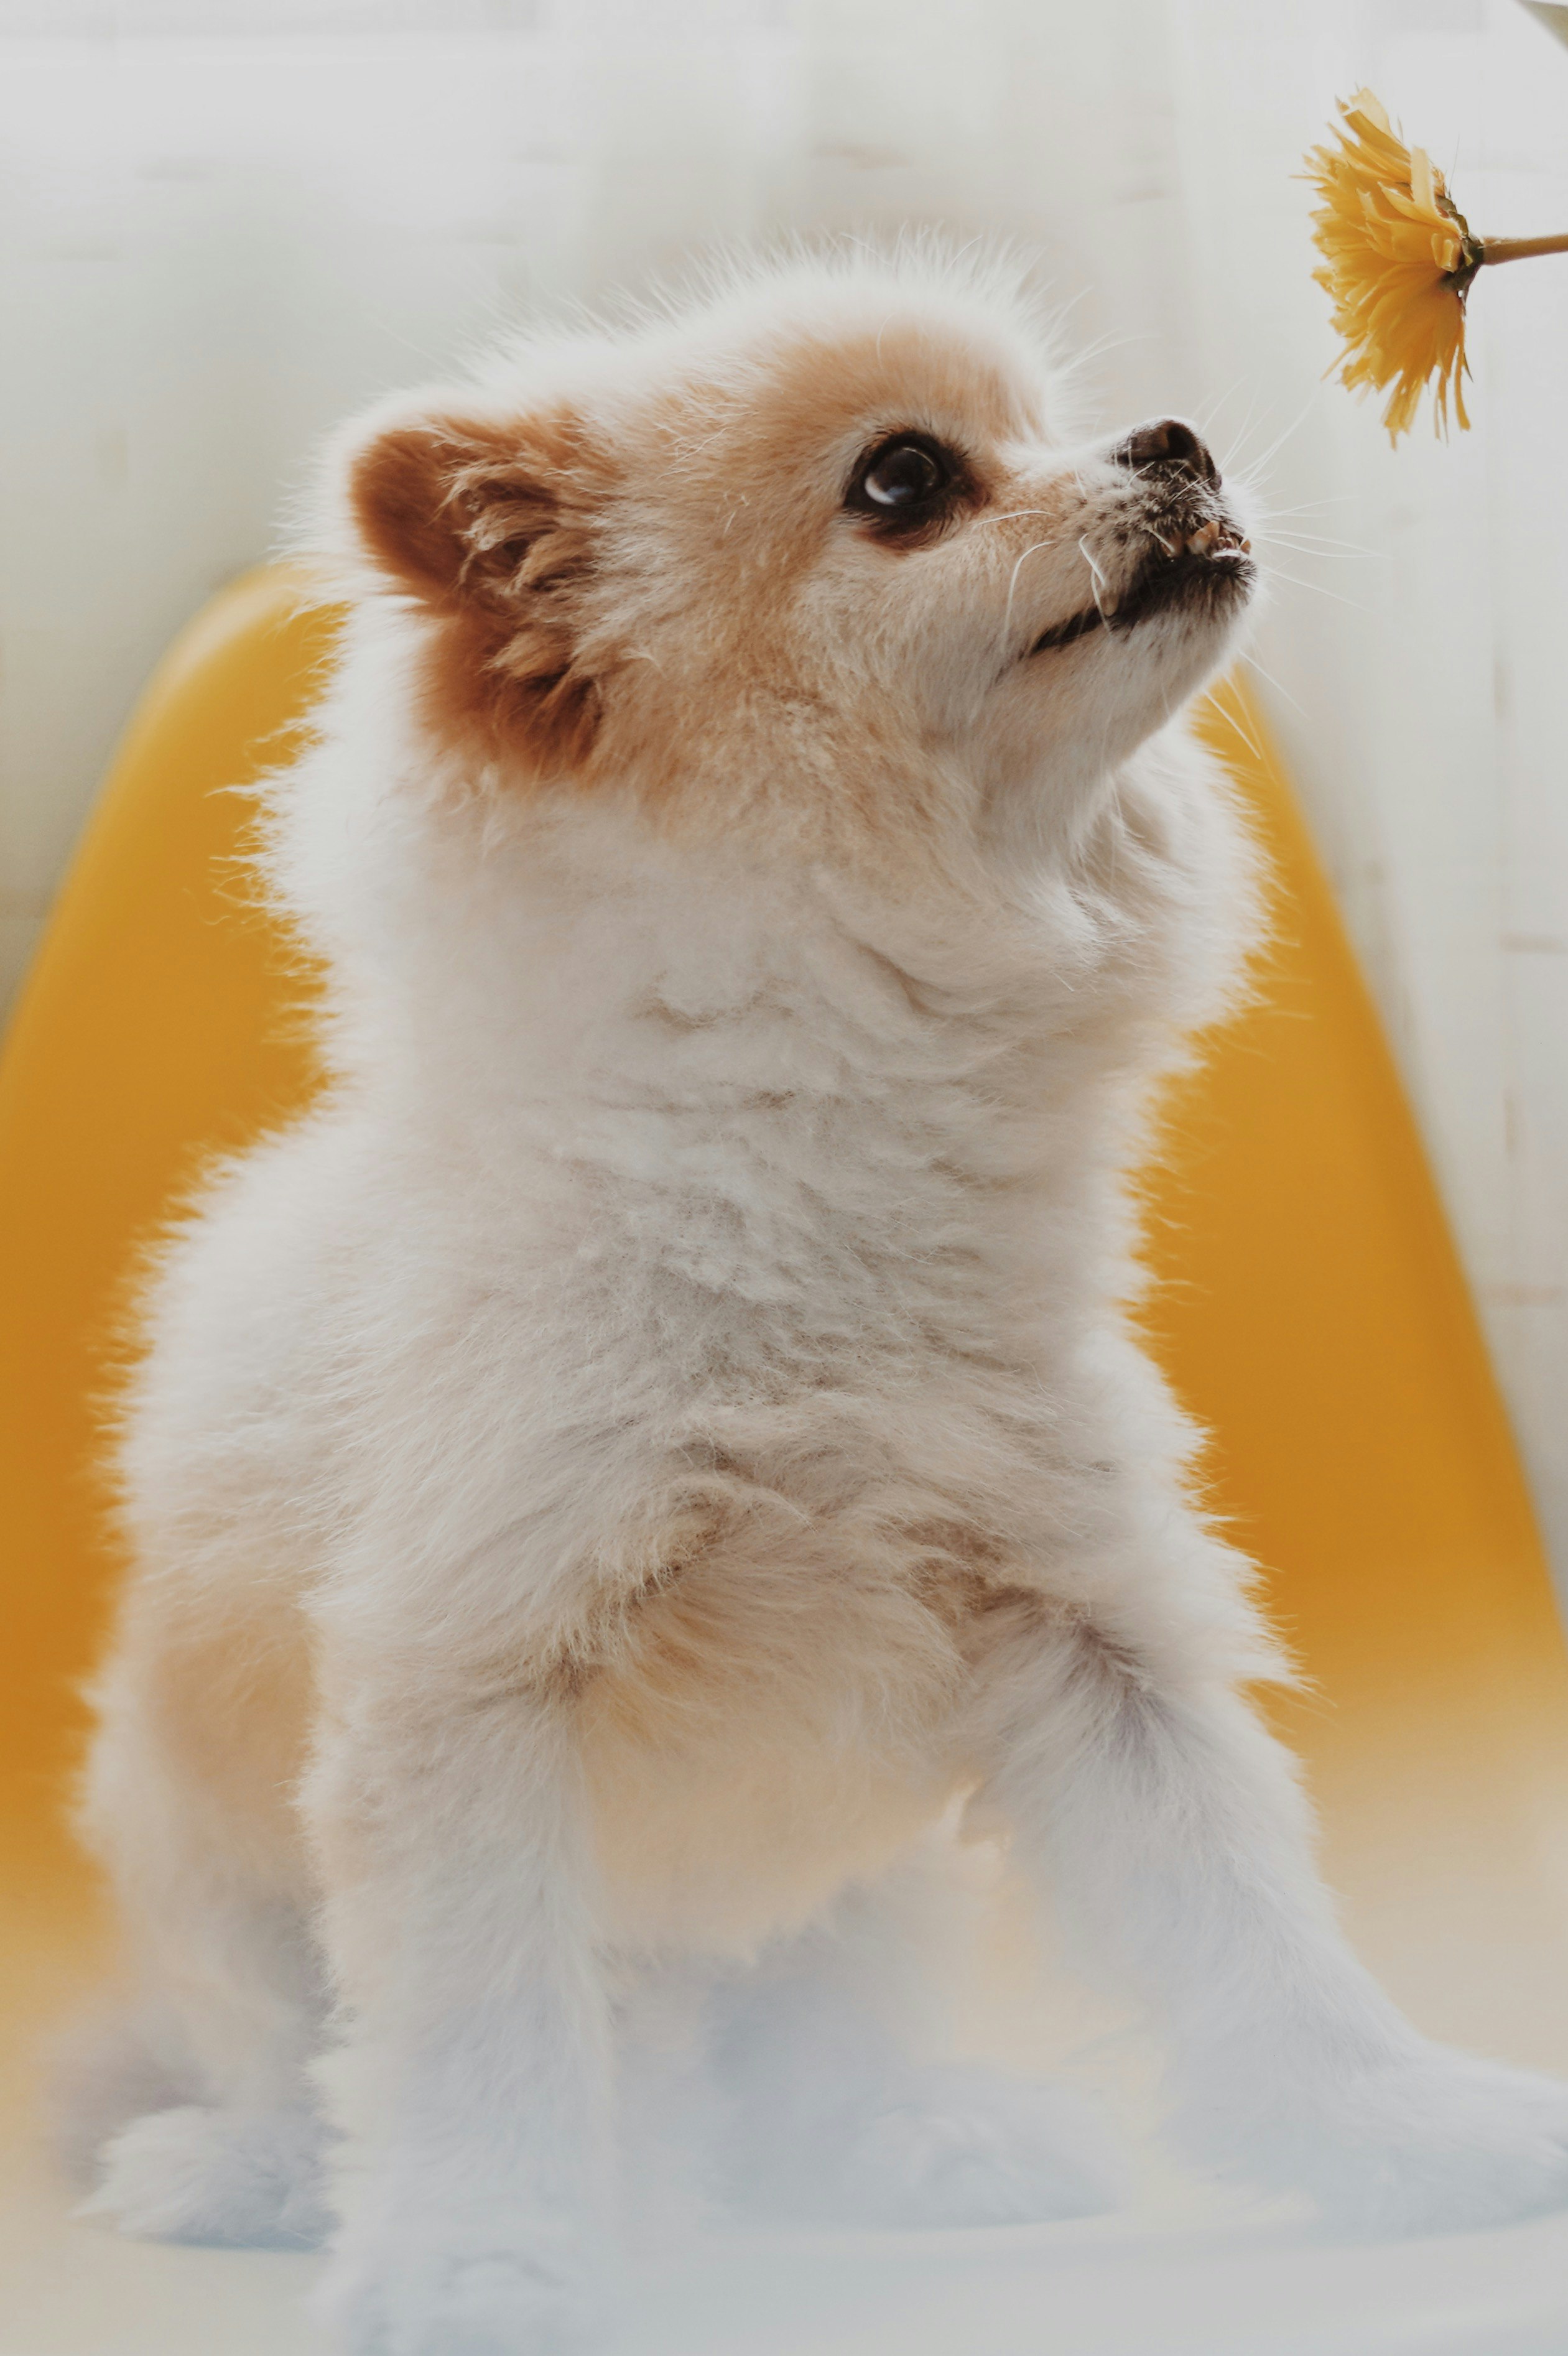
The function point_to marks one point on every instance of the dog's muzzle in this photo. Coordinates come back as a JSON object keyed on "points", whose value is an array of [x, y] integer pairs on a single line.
{"points": [[1196, 555]]}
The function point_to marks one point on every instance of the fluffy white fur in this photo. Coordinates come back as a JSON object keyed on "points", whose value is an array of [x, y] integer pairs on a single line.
{"points": [[665, 1426]]}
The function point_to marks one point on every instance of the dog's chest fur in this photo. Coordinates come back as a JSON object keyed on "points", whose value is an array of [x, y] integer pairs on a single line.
{"points": [[781, 1261]]}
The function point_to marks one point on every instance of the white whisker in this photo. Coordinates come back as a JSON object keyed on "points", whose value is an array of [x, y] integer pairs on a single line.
{"points": [[1013, 578], [1252, 662]]}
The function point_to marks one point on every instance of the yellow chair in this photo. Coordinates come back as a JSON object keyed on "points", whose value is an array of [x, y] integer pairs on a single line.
{"points": [[1309, 1309]]}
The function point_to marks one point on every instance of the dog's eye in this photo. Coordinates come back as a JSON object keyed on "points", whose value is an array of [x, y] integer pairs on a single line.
{"points": [[904, 480], [901, 476]]}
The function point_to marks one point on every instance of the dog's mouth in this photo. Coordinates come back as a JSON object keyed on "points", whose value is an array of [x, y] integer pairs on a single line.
{"points": [[1208, 565]]}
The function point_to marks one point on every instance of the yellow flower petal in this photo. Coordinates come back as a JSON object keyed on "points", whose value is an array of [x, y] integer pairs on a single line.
{"points": [[1398, 258]]}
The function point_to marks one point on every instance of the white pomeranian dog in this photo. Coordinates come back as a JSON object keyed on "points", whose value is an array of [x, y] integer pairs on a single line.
{"points": [[664, 1429]]}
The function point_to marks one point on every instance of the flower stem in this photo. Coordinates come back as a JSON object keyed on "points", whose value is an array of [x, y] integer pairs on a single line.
{"points": [[1520, 249]]}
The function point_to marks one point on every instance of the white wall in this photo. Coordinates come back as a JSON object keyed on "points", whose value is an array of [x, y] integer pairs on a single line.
{"points": [[223, 223]]}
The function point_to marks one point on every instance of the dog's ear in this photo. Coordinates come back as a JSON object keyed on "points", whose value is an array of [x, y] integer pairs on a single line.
{"points": [[490, 526]]}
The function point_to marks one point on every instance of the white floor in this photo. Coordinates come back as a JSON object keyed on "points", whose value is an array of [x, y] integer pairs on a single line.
{"points": [[1119, 2287], [1184, 2272]]}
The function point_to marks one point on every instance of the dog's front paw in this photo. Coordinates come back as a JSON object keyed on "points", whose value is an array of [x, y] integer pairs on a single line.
{"points": [[944, 2145], [540, 2296], [1433, 2142], [199, 2174], [971, 2147]]}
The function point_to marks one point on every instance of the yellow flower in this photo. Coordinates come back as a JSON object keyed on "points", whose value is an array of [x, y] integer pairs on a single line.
{"points": [[1398, 262]]}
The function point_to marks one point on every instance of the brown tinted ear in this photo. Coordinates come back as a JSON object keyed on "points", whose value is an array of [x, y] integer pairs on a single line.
{"points": [[489, 525]]}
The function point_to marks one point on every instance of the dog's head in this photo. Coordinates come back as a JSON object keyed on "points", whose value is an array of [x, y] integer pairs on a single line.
{"points": [[819, 555]]}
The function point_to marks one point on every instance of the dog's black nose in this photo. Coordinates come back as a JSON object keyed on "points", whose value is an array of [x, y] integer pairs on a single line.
{"points": [[1167, 441]]}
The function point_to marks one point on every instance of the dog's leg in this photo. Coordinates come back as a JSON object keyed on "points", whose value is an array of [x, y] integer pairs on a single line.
{"points": [[1173, 1831], [191, 2112], [470, 2075], [828, 2112]]}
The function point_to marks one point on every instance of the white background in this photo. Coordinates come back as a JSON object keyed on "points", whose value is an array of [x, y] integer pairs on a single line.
{"points": [[224, 223]]}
